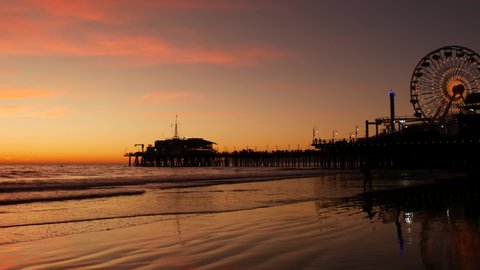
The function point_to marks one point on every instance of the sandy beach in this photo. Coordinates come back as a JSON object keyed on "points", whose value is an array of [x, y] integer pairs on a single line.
{"points": [[323, 222], [284, 237]]}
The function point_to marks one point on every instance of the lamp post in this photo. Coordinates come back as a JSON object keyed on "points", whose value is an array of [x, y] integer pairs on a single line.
{"points": [[392, 94], [334, 132]]}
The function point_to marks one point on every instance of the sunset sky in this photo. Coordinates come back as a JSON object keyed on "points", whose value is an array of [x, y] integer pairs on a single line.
{"points": [[85, 80]]}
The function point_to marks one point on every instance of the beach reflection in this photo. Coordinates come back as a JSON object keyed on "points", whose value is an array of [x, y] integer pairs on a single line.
{"points": [[445, 213]]}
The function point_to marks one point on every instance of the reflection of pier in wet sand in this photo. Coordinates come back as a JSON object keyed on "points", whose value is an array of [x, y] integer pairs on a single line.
{"points": [[446, 212]]}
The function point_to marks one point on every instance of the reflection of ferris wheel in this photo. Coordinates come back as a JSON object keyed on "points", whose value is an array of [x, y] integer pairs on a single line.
{"points": [[442, 80]]}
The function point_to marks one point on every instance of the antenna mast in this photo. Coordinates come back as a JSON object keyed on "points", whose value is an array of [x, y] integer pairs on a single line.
{"points": [[175, 136]]}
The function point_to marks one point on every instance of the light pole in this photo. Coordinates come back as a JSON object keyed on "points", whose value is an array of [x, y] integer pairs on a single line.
{"points": [[315, 131], [392, 94], [334, 132], [356, 132]]}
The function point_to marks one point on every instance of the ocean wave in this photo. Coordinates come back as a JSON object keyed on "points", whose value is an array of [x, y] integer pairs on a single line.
{"points": [[172, 214], [46, 197], [176, 180]]}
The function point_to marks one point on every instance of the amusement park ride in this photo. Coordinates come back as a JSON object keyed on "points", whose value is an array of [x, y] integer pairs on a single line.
{"points": [[445, 94]]}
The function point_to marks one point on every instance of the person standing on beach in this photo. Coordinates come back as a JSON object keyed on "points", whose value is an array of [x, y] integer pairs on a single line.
{"points": [[367, 176]]}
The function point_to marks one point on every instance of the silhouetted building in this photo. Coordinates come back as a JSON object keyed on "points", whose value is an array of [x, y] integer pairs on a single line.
{"points": [[177, 146], [163, 151]]}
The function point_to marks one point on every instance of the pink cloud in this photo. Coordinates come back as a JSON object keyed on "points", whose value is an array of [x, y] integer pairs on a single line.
{"points": [[106, 11], [139, 50], [120, 11], [61, 31]]}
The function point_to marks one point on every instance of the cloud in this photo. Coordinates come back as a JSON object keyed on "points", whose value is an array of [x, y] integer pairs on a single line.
{"points": [[22, 93], [15, 94], [33, 112], [105, 11], [118, 11], [65, 28], [140, 50], [13, 110]]}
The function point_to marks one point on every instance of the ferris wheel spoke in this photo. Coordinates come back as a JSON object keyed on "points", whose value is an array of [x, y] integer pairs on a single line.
{"points": [[432, 105], [458, 70], [438, 103], [439, 110], [431, 73], [473, 88], [447, 109], [475, 79], [464, 64], [425, 83], [431, 100], [435, 101], [428, 99]]}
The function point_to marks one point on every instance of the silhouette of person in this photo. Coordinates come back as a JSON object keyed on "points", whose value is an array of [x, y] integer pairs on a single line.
{"points": [[367, 176]]}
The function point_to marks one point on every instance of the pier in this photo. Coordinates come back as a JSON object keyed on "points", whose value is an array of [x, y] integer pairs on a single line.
{"points": [[444, 131], [388, 153]]}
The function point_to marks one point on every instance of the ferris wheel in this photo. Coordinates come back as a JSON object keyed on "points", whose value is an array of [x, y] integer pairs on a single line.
{"points": [[442, 80]]}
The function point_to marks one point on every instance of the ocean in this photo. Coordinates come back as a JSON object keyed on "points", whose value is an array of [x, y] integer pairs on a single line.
{"points": [[329, 218], [71, 199]]}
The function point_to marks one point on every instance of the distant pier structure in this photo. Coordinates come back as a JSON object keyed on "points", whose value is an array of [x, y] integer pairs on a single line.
{"points": [[198, 152], [173, 152], [443, 132]]}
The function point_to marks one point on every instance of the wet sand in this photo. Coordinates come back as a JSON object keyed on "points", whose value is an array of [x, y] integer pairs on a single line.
{"points": [[284, 237], [331, 226]]}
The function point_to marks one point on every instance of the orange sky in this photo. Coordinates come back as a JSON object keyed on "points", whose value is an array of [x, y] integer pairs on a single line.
{"points": [[83, 81]]}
